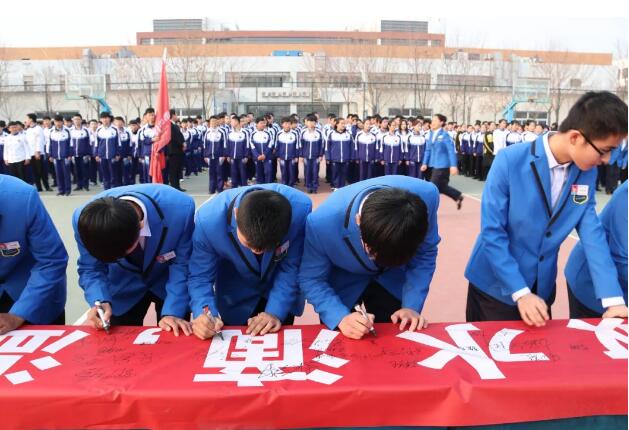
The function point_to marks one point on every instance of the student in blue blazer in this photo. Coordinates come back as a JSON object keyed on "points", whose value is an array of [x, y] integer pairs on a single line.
{"points": [[33, 260], [582, 293], [440, 157], [247, 247], [134, 246], [374, 242], [536, 194]]}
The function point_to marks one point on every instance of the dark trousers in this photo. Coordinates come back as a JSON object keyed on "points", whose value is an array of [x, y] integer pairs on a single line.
{"points": [[578, 309], [288, 172], [62, 170], [6, 303], [17, 170], [135, 315], [441, 178], [215, 175], [366, 170], [379, 302], [483, 307], [339, 174], [311, 173], [390, 168], [264, 171], [107, 167], [488, 159], [611, 179], [144, 166], [238, 173], [478, 166], [175, 170], [414, 170], [40, 178], [82, 165]]}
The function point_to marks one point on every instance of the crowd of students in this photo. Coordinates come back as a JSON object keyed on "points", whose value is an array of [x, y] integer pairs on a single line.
{"points": [[253, 254], [240, 150]]}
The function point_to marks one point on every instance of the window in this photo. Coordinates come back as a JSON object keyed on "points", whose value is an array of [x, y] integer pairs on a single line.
{"points": [[334, 80], [29, 82], [254, 80], [575, 83], [425, 113], [473, 56], [473, 81]]}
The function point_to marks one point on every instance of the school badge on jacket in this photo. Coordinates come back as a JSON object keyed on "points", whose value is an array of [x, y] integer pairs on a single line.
{"points": [[9, 249], [580, 194]]}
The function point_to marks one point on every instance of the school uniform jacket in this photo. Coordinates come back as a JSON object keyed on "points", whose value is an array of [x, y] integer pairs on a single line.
{"points": [[164, 271], [335, 269], [521, 233], [33, 260], [227, 277]]}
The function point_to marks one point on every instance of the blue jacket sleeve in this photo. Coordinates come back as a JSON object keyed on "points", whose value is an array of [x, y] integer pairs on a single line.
{"points": [[285, 289], [494, 221], [427, 153], [202, 271], [597, 254], [451, 151], [41, 301], [420, 270], [313, 280], [177, 299], [268, 151]]}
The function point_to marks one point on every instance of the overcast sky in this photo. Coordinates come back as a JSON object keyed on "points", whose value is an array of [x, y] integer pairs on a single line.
{"points": [[593, 27]]}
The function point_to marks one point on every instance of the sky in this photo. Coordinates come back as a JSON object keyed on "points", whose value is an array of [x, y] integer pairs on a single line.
{"points": [[533, 24]]}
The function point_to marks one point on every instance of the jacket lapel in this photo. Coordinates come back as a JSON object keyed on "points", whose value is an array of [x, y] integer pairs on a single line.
{"points": [[539, 166]]}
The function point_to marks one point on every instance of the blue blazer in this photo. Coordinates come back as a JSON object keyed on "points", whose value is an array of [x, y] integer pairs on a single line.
{"points": [[33, 260], [439, 152], [228, 278], [171, 219], [521, 234], [336, 269], [614, 221]]}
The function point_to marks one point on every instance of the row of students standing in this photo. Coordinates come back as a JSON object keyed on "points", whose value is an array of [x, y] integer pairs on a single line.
{"points": [[253, 255]]}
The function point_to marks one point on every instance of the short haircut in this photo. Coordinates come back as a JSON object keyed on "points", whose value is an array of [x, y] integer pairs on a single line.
{"points": [[119, 118], [32, 116], [108, 227], [58, 118], [105, 115], [311, 117], [236, 117], [260, 119], [443, 118], [598, 114], [149, 110], [77, 115], [393, 224], [172, 112], [286, 119], [264, 218]]}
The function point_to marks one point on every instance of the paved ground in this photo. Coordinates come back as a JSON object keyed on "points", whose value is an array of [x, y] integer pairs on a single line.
{"points": [[446, 300]]}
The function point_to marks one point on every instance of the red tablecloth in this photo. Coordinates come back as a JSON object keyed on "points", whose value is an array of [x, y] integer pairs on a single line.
{"points": [[449, 374]]}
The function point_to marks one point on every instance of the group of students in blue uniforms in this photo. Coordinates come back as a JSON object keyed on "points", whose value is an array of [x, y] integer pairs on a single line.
{"points": [[253, 254]]}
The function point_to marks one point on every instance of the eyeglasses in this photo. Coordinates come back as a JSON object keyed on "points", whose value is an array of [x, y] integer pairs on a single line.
{"points": [[587, 139]]}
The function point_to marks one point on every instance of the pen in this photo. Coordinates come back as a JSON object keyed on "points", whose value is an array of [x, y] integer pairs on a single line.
{"points": [[208, 312], [361, 309], [101, 315]]}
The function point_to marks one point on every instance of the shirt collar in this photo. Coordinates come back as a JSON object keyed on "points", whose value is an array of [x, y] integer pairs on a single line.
{"points": [[552, 161], [146, 229]]}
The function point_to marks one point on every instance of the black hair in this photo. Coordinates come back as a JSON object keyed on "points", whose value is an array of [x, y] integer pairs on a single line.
{"points": [[149, 110], [172, 112], [108, 227], [118, 118], [264, 218], [286, 119], [260, 119], [598, 114], [46, 118], [3, 124], [442, 118], [105, 115], [393, 223], [77, 114], [33, 117], [236, 117], [58, 118], [529, 121], [311, 117]]}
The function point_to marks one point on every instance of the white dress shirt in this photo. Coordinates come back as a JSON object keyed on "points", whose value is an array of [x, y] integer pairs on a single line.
{"points": [[146, 229], [16, 148], [36, 140]]}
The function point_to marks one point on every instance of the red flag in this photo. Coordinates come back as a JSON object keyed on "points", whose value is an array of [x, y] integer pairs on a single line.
{"points": [[162, 128]]}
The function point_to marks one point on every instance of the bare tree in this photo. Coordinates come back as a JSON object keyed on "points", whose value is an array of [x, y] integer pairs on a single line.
{"points": [[495, 102], [421, 67], [8, 101]]}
